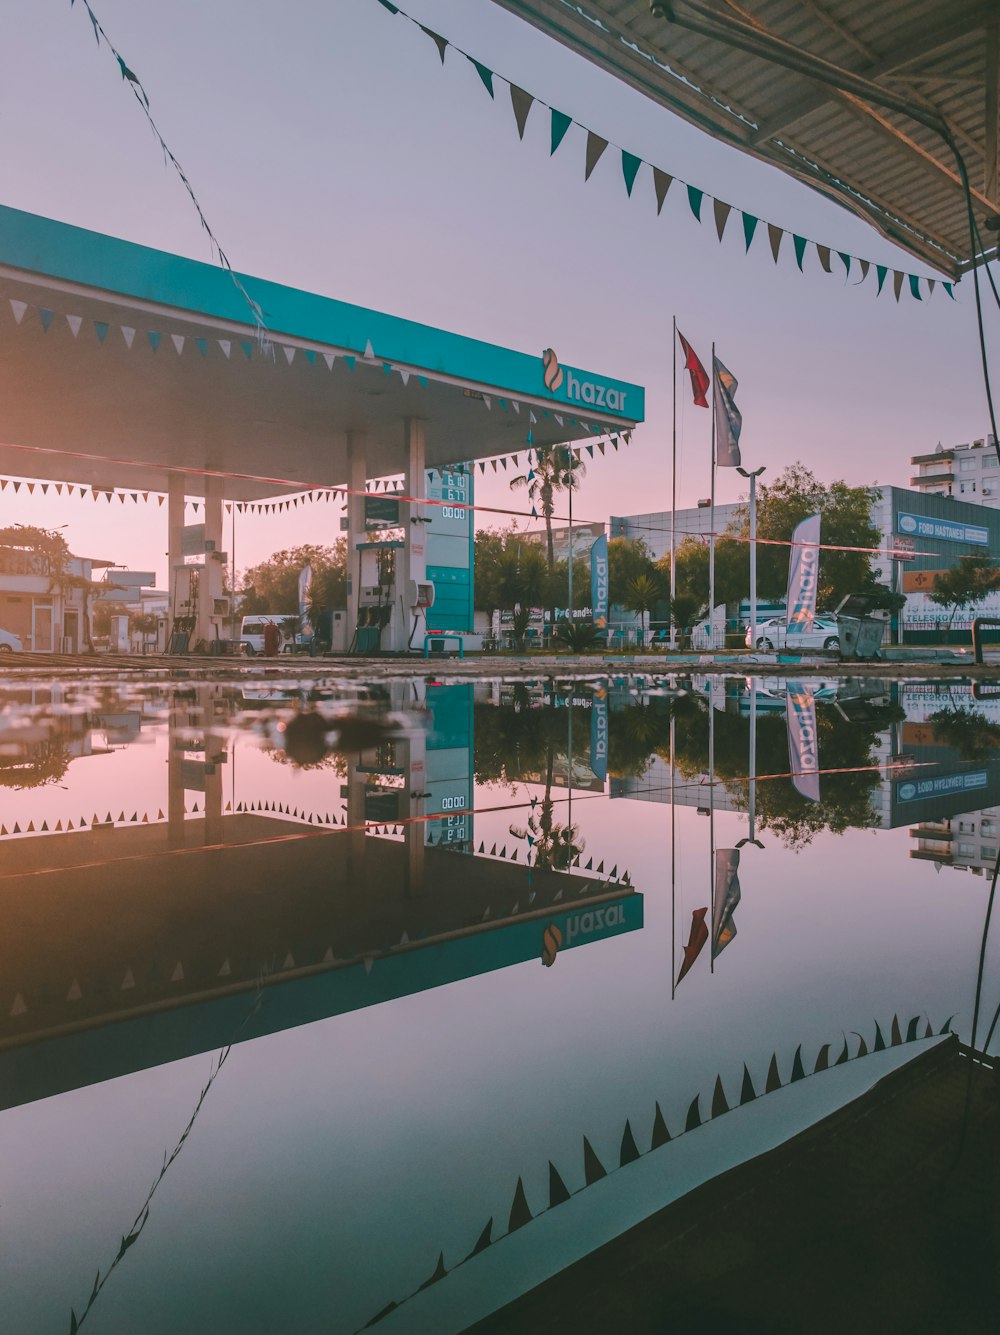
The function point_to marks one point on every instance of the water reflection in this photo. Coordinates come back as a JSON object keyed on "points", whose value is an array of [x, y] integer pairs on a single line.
{"points": [[355, 889]]}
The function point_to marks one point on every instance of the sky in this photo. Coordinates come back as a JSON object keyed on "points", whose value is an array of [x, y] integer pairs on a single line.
{"points": [[331, 151]]}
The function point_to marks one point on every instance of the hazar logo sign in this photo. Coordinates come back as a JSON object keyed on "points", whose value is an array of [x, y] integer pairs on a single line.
{"points": [[590, 392]]}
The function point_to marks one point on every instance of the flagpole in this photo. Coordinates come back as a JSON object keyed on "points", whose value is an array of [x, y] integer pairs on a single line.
{"points": [[673, 499], [711, 807], [711, 540]]}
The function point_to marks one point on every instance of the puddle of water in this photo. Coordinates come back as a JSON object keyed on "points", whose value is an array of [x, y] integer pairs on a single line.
{"points": [[304, 983]]}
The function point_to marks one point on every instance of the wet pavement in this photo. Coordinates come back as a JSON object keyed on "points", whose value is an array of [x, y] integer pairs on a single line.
{"points": [[435, 1001]]}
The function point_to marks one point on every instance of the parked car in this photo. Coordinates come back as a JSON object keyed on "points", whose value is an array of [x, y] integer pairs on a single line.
{"points": [[773, 634], [253, 627], [10, 643]]}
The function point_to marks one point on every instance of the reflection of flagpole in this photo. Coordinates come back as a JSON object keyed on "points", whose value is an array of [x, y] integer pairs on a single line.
{"points": [[673, 502], [711, 797], [711, 540], [673, 865], [753, 759]]}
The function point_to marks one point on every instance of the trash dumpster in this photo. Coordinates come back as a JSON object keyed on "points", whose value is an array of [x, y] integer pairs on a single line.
{"points": [[859, 632]]}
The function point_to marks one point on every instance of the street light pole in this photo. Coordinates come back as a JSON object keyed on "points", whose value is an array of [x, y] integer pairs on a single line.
{"points": [[753, 550]]}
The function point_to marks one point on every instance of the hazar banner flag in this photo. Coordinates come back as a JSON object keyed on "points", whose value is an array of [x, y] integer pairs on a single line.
{"points": [[599, 735], [803, 575], [803, 741], [305, 584], [599, 581], [728, 418]]}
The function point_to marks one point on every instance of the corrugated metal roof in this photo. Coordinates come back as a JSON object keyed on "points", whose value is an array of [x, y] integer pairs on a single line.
{"points": [[916, 84]]}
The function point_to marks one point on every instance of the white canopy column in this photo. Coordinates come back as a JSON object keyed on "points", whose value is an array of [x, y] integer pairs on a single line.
{"points": [[408, 624], [356, 477]]}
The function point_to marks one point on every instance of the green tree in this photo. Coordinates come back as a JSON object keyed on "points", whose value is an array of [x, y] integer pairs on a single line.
{"points": [[965, 584], [518, 576], [846, 522], [273, 585], [628, 560]]}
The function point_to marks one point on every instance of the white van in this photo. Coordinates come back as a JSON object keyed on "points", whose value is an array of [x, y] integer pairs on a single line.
{"points": [[253, 627]]}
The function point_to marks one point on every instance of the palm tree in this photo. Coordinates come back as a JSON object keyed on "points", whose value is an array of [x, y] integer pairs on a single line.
{"points": [[556, 469], [641, 595]]}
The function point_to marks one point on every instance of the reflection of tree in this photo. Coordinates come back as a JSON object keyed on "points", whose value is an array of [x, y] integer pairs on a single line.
{"points": [[634, 734], [846, 798], [965, 731], [39, 764]]}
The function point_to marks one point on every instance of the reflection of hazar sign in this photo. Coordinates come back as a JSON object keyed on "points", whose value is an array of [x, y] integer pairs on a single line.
{"points": [[551, 941], [581, 924]]}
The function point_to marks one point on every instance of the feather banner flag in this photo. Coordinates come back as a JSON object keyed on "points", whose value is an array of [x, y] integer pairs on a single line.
{"points": [[699, 376], [728, 418]]}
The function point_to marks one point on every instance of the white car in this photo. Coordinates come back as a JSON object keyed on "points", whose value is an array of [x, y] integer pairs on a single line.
{"points": [[10, 643], [773, 634]]}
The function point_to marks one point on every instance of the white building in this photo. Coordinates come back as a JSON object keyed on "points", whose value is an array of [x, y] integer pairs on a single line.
{"points": [[655, 528], [967, 472]]}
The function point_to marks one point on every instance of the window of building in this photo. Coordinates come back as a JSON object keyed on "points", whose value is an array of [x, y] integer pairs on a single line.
{"points": [[987, 852], [968, 465], [966, 486], [967, 850], [987, 827]]}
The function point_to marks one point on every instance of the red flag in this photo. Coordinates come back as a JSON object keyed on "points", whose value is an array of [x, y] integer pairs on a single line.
{"points": [[696, 940], [699, 376]]}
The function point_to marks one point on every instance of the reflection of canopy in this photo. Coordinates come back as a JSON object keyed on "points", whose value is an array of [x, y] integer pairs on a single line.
{"points": [[113, 351], [750, 75], [127, 951]]}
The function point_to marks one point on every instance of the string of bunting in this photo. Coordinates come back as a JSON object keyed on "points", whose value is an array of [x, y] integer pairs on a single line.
{"points": [[142, 97], [697, 198], [268, 350]]}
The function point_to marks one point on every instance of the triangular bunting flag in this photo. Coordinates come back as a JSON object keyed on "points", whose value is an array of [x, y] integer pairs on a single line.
{"points": [[226, 345], [154, 339], [17, 309], [595, 147], [897, 282], [775, 235], [722, 211], [521, 102], [440, 42], [560, 124], [45, 316], [749, 227], [484, 74], [915, 286], [661, 184], [178, 342], [630, 168], [800, 243], [824, 257], [101, 328], [695, 196], [74, 322], [881, 270], [846, 261]]}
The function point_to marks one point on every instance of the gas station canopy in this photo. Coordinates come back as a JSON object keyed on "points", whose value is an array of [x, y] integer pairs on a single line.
{"points": [[125, 366], [868, 103]]}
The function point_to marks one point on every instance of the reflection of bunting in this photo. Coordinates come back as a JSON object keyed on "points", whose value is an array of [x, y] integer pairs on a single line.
{"points": [[696, 941], [596, 144], [727, 896]]}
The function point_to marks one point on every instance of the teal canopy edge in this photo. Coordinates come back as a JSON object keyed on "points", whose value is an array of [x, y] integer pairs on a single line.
{"points": [[72, 254], [116, 1047]]}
